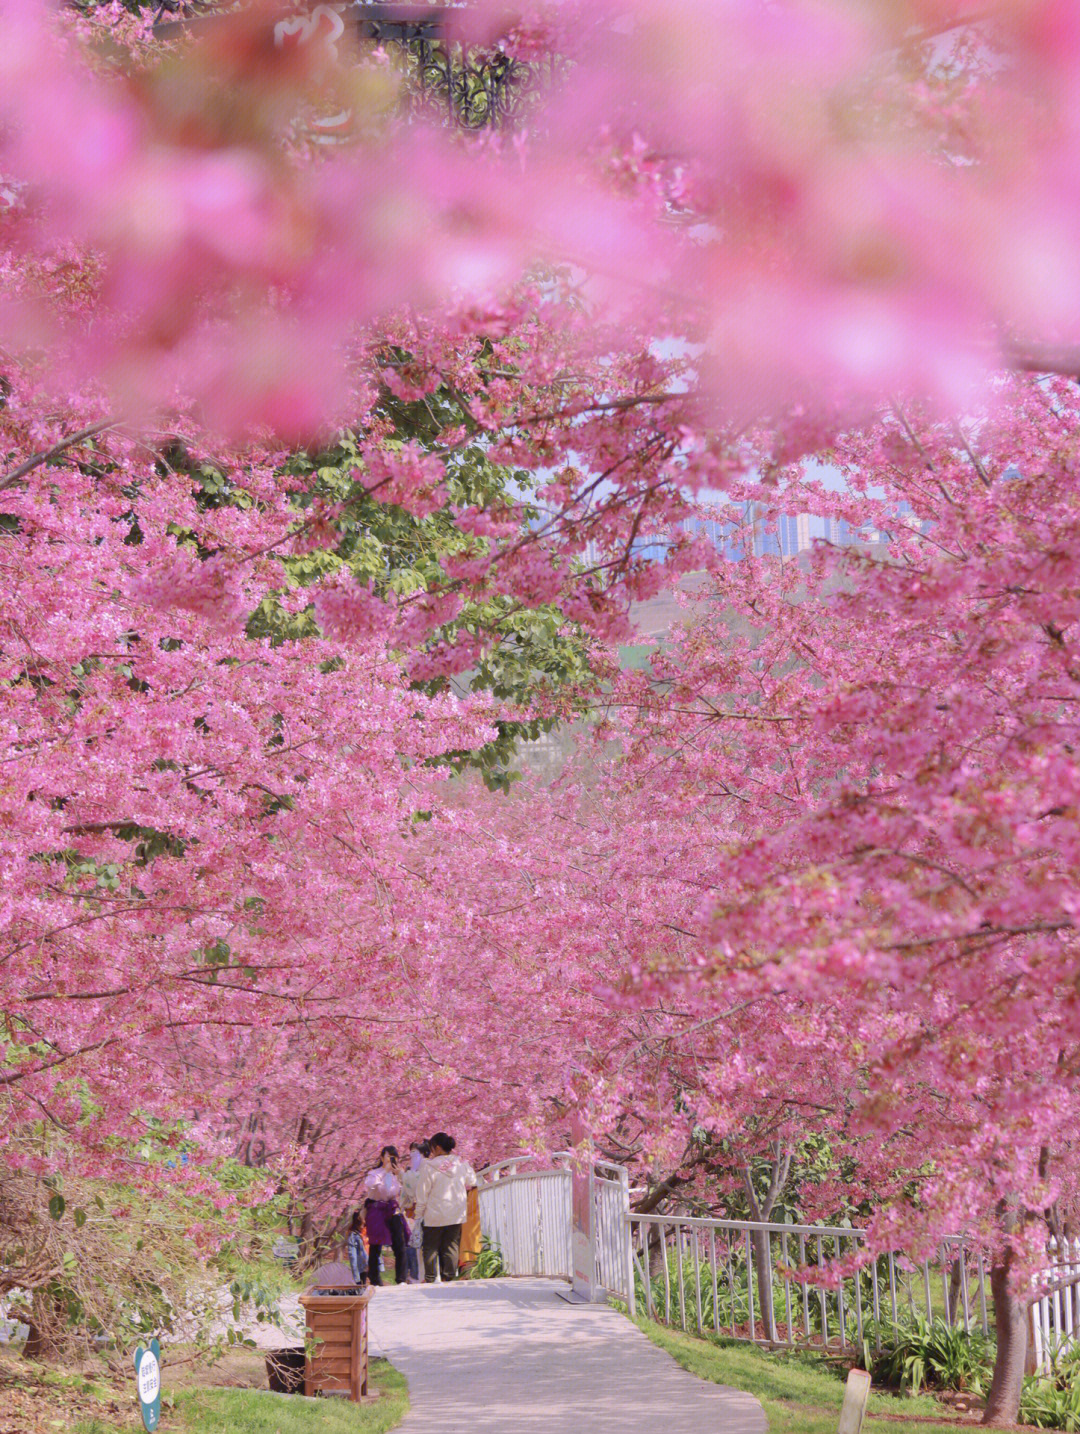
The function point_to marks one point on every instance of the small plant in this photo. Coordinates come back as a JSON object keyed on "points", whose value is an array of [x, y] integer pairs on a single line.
{"points": [[1052, 1400], [1048, 1406], [489, 1263], [931, 1354]]}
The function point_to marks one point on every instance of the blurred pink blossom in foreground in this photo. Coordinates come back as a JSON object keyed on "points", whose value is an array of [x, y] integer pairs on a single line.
{"points": [[843, 198]]}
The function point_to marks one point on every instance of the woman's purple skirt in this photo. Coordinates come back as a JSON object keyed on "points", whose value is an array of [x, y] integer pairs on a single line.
{"points": [[379, 1213]]}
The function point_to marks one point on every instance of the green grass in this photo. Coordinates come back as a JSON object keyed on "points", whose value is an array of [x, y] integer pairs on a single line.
{"points": [[77, 1383], [913, 1295], [799, 1393], [256, 1411], [636, 656]]}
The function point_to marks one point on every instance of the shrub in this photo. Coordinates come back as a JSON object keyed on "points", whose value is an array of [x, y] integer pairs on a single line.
{"points": [[929, 1353], [1048, 1406], [1052, 1401], [90, 1264]]}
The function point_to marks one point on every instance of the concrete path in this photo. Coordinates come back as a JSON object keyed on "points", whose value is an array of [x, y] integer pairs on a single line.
{"points": [[511, 1357]]}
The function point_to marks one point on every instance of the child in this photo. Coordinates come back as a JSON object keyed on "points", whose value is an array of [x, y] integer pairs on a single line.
{"points": [[356, 1250]]}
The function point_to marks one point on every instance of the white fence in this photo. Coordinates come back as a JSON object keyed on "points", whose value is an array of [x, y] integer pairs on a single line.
{"points": [[528, 1215], [611, 1212], [1055, 1318], [705, 1275]]}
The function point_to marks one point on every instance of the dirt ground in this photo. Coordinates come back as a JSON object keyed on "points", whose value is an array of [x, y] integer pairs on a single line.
{"points": [[242, 1369], [38, 1399]]}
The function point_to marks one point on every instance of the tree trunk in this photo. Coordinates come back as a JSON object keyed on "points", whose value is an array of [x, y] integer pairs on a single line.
{"points": [[35, 1346], [657, 1256], [1011, 1319], [306, 1241], [760, 1242], [46, 1323]]}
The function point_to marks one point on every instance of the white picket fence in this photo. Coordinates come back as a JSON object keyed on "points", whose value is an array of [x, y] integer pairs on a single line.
{"points": [[1055, 1318]]}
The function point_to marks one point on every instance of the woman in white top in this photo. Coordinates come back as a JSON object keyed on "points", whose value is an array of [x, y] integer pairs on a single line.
{"points": [[442, 1199], [385, 1225]]}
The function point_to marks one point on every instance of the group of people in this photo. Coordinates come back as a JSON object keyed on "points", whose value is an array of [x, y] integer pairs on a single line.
{"points": [[416, 1210]]}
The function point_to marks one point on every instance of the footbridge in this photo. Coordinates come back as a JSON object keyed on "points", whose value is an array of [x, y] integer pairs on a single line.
{"points": [[542, 1349], [570, 1221], [546, 1346]]}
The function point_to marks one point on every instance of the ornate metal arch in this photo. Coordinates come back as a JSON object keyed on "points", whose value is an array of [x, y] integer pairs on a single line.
{"points": [[472, 88]]}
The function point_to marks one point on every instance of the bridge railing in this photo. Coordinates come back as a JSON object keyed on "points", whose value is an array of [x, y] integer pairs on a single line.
{"points": [[741, 1278], [748, 1279], [528, 1214], [614, 1253]]}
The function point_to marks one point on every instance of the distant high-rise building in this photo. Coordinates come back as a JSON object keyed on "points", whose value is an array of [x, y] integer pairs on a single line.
{"points": [[650, 549], [764, 532], [794, 533], [758, 531], [838, 532]]}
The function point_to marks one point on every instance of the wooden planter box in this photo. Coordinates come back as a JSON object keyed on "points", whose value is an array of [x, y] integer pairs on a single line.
{"points": [[339, 1364]]}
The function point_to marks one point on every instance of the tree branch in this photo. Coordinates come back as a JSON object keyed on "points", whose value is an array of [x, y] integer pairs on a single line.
{"points": [[37, 459]]}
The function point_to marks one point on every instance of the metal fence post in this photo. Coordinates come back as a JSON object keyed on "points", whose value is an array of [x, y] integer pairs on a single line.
{"points": [[628, 1240]]}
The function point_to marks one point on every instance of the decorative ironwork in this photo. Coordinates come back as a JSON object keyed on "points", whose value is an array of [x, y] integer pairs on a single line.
{"points": [[472, 88]]}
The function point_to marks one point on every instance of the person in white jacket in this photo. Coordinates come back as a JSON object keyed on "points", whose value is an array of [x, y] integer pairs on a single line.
{"points": [[442, 1200]]}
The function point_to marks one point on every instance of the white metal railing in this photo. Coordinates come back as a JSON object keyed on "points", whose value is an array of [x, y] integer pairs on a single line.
{"points": [[527, 1214], [611, 1212], [747, 1279], [702, 1274]]}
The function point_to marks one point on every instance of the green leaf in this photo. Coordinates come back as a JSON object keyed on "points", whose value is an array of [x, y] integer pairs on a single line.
{"points": [[80, 1219], [57, 1205]]}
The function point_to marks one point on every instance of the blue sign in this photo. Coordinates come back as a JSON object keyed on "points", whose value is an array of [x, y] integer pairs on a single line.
{"points": [[148, 1378]]}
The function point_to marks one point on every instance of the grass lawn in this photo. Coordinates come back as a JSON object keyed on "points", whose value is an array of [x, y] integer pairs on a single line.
{"points": [[798, 1393], [257, 1411]]}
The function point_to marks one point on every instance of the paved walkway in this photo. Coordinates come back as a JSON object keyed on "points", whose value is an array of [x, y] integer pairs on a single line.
{"points": [[511, 1357]]}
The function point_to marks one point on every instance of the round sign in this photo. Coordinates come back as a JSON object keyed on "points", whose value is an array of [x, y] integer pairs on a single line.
{"points": [[149, 1377]]}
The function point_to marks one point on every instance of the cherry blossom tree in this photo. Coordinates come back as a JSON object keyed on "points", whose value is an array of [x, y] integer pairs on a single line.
{"points": [[845, 806], [308, 436]]}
